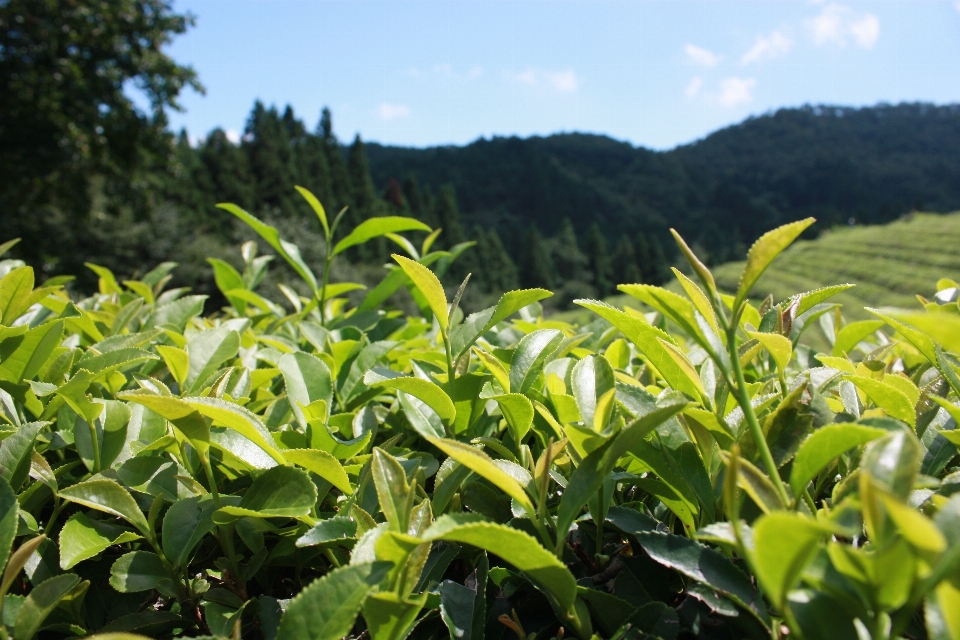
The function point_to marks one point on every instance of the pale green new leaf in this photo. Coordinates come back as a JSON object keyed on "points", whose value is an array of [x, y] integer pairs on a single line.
{"points": [[307, 379], [783, 544], [426, 391], [852, 333], [484, 466], [892, 400], [778, 346], [238, 418], [764, 251], [648, 339], [516, 547], [321, 463], [825, 444], [289, 251], [428, 285], [374, 227], [314, 203]]}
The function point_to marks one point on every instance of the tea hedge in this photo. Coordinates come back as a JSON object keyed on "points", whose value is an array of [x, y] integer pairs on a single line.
{"points": [[320, 470]]}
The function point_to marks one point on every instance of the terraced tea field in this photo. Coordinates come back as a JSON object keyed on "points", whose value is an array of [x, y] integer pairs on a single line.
{"points": [[888, 263]]}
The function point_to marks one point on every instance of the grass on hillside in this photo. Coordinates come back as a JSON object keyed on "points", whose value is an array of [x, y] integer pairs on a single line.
{"points": [[888, 263]]}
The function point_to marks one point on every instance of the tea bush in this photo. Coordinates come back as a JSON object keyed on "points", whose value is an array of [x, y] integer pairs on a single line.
{"points": [[693, 471]]}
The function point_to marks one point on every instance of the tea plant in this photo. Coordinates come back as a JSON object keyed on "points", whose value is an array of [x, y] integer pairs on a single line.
{"points": [[328, 472]]}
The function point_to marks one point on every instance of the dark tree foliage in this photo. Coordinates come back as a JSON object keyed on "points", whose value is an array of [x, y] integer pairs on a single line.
{"points": [[70, 136], [601, 266], [536, 266], [722, 192], [446, 213], [624, 263]]}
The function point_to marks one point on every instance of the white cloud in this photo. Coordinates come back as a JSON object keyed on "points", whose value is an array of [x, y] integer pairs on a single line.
{"points": [[700, 56], [565, 81], [734, 91], [838, 24], [447, 71], [388, 112], [694, 87], [233, 136], [767, 47]]}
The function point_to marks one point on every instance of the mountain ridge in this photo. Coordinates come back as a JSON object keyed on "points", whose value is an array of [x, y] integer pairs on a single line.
{"points": [[872, 164]]}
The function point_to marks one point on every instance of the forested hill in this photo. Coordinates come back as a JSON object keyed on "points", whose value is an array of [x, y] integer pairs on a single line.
{"points": [[835, 163]]}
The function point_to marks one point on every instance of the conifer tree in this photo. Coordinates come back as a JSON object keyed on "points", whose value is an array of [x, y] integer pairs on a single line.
{"points": [[447, 216], [571, 263], [651, 259], [536, 266], [493, 269], [363, 198], [268, 147], [339, 178], [625, 269], [221, 174], [600, 264], [414, 197]]}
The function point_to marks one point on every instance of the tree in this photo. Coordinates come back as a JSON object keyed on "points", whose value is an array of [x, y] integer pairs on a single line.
{"points": [[446, 213], [268, 146], [66, 117], [339, 178], [414, 197], [536, 266], [492, 267], [651, 259], [625, 269], [571, 263], [598, 254]]}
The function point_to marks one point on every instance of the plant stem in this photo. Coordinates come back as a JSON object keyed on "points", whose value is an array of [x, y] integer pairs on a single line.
{"points": [[751, 417], [327, 261], [451, 372], [95, 443]]}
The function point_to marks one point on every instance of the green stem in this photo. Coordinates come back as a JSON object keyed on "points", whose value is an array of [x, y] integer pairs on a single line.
{"points": [[208, 471], [57, 508], [451, 373], [751, 417], [225, 530], [95, 443], [327, 260]]}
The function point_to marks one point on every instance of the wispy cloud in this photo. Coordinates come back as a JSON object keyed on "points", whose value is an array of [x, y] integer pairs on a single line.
{"points": [[694, 87], [839, 25], [388, 111], [768, 47], [233, 136], [566, 81], [956, 5], [700, 56], [734, 91], [448, 72]]}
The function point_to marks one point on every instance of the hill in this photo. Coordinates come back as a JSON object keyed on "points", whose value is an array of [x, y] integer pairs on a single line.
{"points": [[871, 164], [889, 263]]}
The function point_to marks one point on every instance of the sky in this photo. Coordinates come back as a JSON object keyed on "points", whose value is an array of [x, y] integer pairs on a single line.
{"points": [[655, 73]]}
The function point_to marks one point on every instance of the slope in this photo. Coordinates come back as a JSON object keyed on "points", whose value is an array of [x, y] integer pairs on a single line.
{"points": [[872, 164], [889, 263]]}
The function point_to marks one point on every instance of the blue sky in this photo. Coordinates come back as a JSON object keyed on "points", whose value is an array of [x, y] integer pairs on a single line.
{"points": [[655, 73]]}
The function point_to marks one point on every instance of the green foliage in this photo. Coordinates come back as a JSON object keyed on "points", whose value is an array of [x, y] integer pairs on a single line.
{"points": [[324, 470]]}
